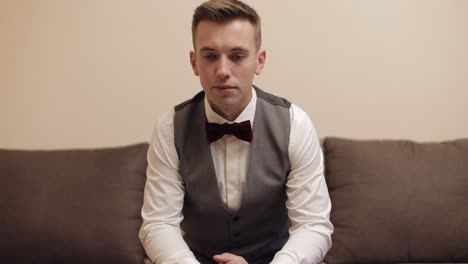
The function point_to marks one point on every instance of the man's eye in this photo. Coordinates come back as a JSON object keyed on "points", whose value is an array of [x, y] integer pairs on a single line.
{"points": [[237, 57], [210, 57]]}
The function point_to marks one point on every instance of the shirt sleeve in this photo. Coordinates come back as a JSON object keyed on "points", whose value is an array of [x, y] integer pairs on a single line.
{"points": [[308, 201], [160, 232]]}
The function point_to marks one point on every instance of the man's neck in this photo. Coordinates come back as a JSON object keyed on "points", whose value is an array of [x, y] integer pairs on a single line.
{"points": [[228, 113]]}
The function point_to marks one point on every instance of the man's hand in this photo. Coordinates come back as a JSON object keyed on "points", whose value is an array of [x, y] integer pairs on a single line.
{"points": [[228, 258]]}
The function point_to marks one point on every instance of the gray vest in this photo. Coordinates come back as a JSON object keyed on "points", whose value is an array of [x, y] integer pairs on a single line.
{"points": [[260, 227]]}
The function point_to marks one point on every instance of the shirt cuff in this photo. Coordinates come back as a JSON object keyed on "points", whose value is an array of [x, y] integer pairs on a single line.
{"points": [[282, 258]]}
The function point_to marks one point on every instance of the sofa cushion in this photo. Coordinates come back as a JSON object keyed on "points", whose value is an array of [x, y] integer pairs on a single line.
{"points": [[72, 206], [397, 201]]}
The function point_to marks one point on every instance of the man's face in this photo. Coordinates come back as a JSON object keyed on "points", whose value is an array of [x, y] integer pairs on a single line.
{"points": [[226, 59]]}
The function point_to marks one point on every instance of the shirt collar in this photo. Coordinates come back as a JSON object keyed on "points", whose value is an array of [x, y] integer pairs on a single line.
{"points": [[247, 114]]}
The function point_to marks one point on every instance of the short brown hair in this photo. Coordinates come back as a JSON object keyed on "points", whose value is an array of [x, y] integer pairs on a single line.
{"points": [[221, 11]]}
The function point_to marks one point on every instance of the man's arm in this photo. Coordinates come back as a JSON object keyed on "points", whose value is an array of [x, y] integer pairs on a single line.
{"points": [[308, 200], [160, 233]]}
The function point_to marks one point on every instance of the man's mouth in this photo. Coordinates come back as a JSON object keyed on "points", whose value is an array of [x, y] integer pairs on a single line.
{"points": [[224, 87]]}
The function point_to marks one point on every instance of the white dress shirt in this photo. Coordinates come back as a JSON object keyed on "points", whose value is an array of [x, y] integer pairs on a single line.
{"points": [[308, 202]]}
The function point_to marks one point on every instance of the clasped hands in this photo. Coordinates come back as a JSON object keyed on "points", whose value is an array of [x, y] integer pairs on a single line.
{"points": [[228, 258]]}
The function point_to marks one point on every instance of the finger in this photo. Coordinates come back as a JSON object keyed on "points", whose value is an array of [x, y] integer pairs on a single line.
{"points": [[225, 257], [220, 258], [228, 258]]}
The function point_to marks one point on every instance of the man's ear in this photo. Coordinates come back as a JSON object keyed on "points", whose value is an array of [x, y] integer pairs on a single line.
{"points": [[193, 62], [260, 61]]}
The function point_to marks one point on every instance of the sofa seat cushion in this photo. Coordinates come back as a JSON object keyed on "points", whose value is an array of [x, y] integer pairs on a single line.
{"points": [[397, 201], [72, 206]]}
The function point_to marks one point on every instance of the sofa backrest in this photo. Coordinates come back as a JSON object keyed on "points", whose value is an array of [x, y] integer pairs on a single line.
{"points": [[72, 206], [396, 201], [392, 201]]}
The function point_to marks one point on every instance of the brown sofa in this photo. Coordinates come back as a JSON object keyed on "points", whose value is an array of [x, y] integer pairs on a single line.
{"points": [[393, 201]]}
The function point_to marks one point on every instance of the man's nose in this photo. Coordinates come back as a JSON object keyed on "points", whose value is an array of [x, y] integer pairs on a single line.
{"points": [[223, 70]]}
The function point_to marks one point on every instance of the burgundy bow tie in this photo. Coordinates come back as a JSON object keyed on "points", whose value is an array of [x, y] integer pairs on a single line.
{"points": [[241, 130]]}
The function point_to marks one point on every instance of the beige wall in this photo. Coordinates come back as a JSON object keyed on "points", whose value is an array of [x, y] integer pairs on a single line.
{"points": [[93, 73]]}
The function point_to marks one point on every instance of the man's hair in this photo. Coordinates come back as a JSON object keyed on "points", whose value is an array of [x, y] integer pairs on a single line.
{"points": [[222, 11]]}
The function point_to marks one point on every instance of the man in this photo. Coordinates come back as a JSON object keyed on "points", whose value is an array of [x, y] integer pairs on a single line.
{"points": [[235, 175]]}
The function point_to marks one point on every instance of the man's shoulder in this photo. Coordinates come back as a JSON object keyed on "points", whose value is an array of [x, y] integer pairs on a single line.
{"points": [[197, 98], [271, 98]]}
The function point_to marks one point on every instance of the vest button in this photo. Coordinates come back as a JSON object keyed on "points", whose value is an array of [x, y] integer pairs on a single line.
{"points": [[236, 218], [236, 234]]}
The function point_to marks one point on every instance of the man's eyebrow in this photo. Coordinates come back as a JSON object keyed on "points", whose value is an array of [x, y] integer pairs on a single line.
{"points": [[236, 49], [206, 49]]}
